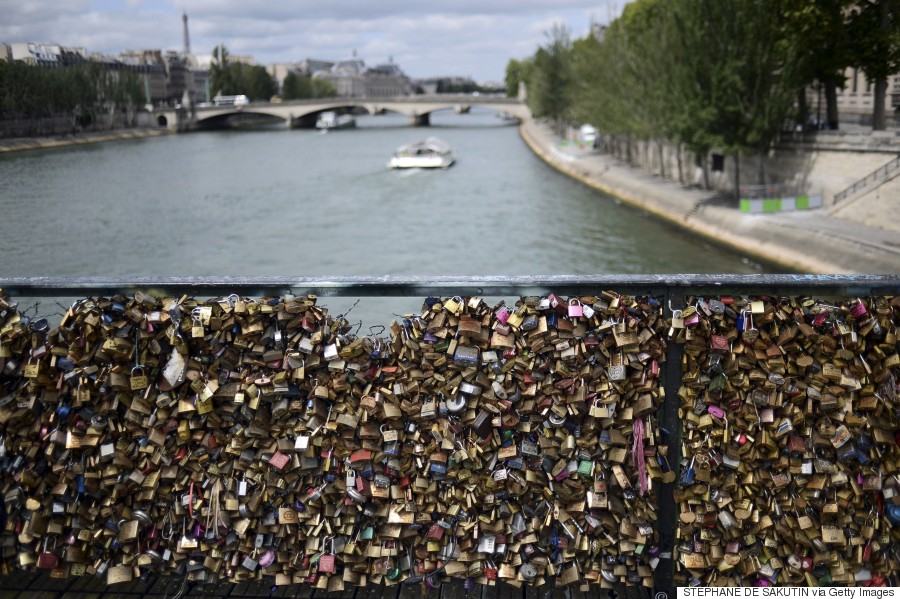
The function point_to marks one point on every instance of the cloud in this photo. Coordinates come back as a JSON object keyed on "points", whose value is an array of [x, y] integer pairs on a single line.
{"points": [[468, 37]]}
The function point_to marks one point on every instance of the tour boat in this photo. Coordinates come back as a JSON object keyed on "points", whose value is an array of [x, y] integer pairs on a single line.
{"points": [[428, 153], [332, 120]]}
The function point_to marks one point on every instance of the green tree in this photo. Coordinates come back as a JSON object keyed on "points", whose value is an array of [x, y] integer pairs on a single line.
{"points": [[257, 83], [875, 31], [517, 71], [549, 84], [818, 30], [298, 86], [221, 75], [322, 88]]}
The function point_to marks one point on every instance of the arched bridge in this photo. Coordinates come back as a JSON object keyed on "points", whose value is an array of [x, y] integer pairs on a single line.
{"points": [[299, 113]]}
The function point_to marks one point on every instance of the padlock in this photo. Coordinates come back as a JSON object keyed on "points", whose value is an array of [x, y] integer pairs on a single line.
{"points": [[575, 309], [327, 560], [48, 559]]}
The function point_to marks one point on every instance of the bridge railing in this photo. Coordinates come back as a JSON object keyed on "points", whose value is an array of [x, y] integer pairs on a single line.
{"points": [[879, 174], [671, 289]]}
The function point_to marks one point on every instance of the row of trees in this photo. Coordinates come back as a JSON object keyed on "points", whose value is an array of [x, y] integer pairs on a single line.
{"points": [[229, 77], [82, 91], [723, 74]]}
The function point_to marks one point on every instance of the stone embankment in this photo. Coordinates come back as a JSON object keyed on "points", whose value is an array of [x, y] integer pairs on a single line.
{"points": [[813, 241], [43, 143]]}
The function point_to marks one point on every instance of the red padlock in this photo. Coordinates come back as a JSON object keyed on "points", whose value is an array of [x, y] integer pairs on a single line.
{"points": [[48, 560], [327, 561], [490, 572], [435, 532]]}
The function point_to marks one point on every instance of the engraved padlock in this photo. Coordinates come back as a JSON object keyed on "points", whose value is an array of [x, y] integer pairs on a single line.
{"points": [[327, 560]]}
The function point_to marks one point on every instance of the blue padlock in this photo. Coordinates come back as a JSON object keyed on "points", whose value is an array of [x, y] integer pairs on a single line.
{"points": [[687, 476], [79, 483], [893, 513]]}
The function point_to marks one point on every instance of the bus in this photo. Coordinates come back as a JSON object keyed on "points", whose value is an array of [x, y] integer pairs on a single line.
{"points": [[240, 100]]}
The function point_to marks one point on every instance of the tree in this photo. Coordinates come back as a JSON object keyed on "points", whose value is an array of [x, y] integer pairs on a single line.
{"points": [[875, 31], [516, 71], [818, 30], [322, 88], [549, 86], [298, 86], [221, 76], [257, 83]]}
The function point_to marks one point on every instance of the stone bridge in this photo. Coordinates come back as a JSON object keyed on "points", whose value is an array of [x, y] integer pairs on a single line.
{"points": [[303, 113]]}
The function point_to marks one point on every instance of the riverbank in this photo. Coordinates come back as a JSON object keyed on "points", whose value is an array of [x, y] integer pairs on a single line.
{"points": [[803, 241], [19, 144]]}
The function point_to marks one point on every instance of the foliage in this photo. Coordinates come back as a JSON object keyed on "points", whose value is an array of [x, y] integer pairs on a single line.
{"points": [[29, 91], [721, 74], [516, 72], [229, 78], [298, 86], [550, 78], [875, 29]]}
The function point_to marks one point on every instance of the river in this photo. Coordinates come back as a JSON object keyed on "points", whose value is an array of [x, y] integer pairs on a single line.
{"points": [[278, 202]]}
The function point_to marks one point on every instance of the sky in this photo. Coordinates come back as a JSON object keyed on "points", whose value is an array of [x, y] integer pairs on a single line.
{"points": [[466, 38]]}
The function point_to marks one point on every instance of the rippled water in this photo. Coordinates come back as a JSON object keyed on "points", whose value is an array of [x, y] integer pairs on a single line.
{"points": [[279, 202]]}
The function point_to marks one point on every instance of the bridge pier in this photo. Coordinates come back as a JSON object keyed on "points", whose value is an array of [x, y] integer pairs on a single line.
{"points": [[420, 120]]}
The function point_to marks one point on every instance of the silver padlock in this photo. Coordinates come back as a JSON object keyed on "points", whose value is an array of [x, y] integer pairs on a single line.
{"points": [[350, 478], [457, 404], [528, 572], [487, 544]]}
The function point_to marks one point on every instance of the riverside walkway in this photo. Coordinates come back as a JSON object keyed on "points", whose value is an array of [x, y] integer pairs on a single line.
{"points": [[803, 241]]}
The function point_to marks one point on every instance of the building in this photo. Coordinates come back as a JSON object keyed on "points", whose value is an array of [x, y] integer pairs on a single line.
{"points": [[308, 67], [47, 55], [151, 68], [442, 85], [5, 52], [351, 78], [387, 80], [856, 101]]}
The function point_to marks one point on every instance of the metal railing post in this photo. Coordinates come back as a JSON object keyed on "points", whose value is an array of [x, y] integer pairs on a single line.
{"points": [[670, 433]]}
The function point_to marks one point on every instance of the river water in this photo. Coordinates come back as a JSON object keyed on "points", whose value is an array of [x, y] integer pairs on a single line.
{"points": [[279, 202]]}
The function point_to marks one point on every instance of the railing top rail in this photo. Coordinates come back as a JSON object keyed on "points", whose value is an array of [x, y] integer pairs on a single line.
{"points": [[396, 286]]}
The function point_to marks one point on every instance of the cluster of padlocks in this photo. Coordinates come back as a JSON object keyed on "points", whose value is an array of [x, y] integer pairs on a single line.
{"points": [[790, 438], [238, 438]]}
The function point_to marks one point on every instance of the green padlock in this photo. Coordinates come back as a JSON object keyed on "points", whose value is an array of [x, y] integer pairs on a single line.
{"points": [[585, 468]]}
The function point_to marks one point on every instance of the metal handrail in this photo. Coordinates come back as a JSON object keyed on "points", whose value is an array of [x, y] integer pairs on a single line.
{"points": [[410, 286], [879, 173]]}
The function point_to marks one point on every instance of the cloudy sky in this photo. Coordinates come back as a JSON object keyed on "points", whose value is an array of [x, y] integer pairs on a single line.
{"points": [[473, 38]]}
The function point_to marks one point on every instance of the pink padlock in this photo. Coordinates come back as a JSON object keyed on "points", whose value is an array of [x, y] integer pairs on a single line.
{"points": [[858, 310], [575, 309], [716, 411], [502, 314]]}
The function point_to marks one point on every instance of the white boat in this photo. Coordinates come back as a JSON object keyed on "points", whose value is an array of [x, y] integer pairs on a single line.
{"points": [[333, 120], [428, 153]]}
